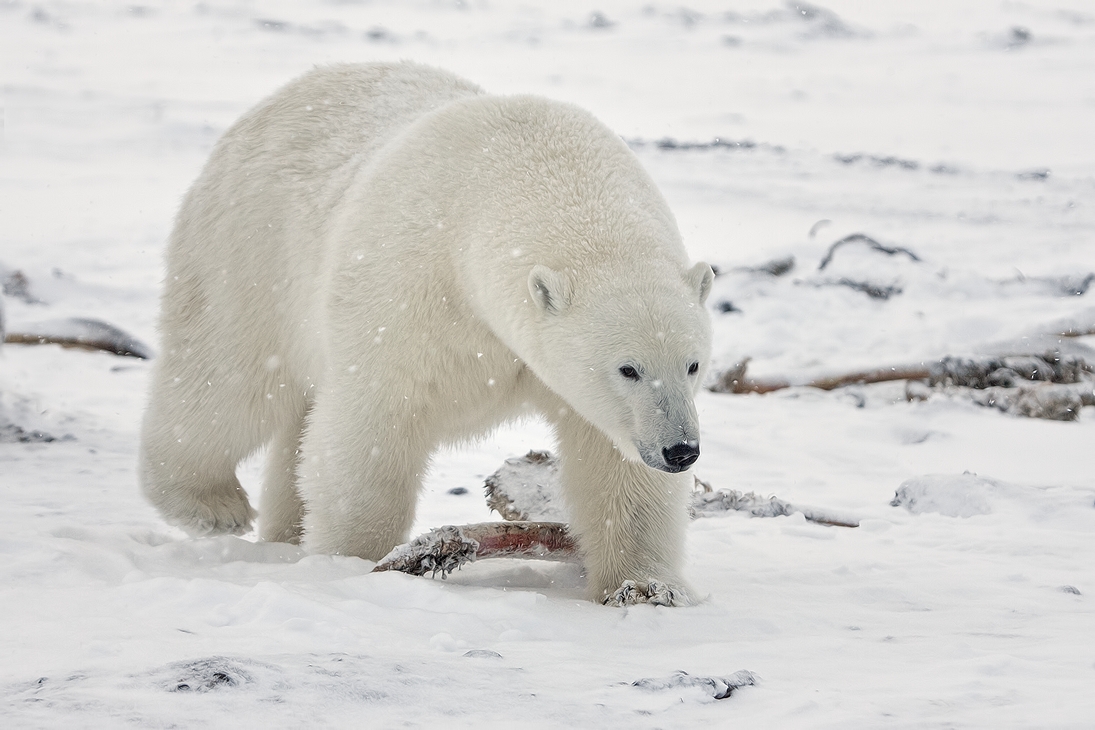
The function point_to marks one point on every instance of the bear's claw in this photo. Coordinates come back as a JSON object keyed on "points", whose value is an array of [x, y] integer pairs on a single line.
{"points": [[654, 592]]}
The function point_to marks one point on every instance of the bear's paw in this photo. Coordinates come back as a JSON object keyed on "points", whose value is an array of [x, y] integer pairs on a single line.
{"points": [[220, 512], [653, 592]]}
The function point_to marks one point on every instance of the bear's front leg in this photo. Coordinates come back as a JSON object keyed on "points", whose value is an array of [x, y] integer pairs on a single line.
{"points": [[630, 520]]}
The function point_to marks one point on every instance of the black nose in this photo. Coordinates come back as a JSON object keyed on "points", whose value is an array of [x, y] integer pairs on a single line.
{"points": [[681, 456]]}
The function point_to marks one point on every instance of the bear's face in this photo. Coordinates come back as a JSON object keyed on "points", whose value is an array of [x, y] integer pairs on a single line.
{"points": [[629, 359]]}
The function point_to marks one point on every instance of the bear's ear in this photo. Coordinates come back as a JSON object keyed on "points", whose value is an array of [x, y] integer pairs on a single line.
{"points": [[700, 277], [549, 289]]}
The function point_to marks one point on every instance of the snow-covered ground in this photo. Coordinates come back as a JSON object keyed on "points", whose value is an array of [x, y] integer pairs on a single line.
{"points": [[960, 131]]}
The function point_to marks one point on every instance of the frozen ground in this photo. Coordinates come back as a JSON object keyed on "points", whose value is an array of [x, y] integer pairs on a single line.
{"points": [[961, 131]]}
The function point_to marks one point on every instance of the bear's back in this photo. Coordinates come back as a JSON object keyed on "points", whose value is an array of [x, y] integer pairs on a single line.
{"points": [[310, 137], [245, 261], [336, 114]]}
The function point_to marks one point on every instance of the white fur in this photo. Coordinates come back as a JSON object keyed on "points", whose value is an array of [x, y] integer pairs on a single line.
{"points": [[381, 259]]}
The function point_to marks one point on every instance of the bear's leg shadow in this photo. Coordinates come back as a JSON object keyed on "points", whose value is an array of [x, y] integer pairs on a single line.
{"points": [[630, 520], [192, 439]]}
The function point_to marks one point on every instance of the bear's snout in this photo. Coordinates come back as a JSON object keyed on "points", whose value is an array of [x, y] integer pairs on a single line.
{"points": [[679, 457]]}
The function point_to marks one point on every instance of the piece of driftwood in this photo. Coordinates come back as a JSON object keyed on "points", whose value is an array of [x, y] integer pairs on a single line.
{"points": [[445, 549], [1051, 386], [84, 334], [874, 291], [707, 501], [1054, 401], [1050, 401], [75, 332], [980, 373], [862, 238], [736, 380], [774, 268]]}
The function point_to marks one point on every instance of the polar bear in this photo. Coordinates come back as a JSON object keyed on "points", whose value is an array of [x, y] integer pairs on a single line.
{"points": [[380, 259]]}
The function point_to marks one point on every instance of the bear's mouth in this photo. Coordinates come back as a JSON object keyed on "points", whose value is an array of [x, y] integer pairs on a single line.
{"points": [[670, 468]]}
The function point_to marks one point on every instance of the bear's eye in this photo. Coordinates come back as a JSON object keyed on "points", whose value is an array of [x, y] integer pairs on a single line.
{"points": [[629, 372], [693, 368]]}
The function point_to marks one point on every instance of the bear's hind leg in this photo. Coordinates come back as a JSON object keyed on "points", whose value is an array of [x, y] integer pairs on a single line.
{"points": [[190, 446], [281, 512], [198, 493], [360, 482], [364, 511]]}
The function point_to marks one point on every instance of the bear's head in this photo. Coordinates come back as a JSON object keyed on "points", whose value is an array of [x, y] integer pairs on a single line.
{"points": [[628, 354]]}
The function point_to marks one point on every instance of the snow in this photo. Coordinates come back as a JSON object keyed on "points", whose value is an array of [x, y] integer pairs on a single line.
{"points": [[959, 131]]}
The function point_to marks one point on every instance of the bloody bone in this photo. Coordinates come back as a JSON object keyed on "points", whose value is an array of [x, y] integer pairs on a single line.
{"points": [[445, 549]]}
